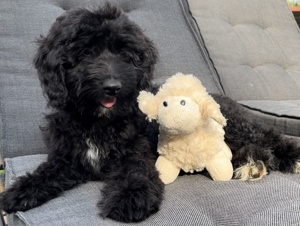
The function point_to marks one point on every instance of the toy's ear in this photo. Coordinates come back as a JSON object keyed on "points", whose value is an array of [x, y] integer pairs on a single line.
{"points": [[210, 109], [148, 104]]}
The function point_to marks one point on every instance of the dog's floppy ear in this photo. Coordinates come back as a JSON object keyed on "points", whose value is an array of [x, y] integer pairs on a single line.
{"points": [[58, 52], [141, 51], [146, 62], [50, 63]]}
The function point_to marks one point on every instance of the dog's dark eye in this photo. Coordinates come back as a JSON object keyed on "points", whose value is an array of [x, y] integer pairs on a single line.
{"points": [[165, 103], [182, 102]]}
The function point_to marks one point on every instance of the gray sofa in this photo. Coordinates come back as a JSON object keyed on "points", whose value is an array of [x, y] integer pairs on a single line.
{"points": [[248, 50]]}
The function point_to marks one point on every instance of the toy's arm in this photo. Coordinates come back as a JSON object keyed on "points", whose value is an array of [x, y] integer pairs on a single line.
{"points": [[148, 104]]}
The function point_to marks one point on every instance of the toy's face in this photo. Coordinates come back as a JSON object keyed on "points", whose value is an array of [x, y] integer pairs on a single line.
{"points": [[178, 115]]}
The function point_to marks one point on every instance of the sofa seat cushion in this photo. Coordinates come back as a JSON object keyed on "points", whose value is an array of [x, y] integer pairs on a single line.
{"points": [[289, 108], [284, 115], [190, 200], [254, 45]]}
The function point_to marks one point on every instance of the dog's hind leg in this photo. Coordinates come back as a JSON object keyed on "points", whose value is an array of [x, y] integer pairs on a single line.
{"points": [[250, 163], [287, 153], [272, 152], [45, 183], [256, 148]]}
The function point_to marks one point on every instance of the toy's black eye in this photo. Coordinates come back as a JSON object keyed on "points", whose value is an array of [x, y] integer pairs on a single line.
{"points": [[165, 103], [182, 102]]}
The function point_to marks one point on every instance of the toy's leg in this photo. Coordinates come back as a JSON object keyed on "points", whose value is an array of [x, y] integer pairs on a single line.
{"points": [[227, 151], [220, 169], [167, 170]]}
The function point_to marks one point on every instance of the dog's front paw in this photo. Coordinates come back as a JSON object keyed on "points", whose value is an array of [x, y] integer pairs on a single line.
{"points": [[24, 194], [251, 171], [14, 200], [130, 201]]}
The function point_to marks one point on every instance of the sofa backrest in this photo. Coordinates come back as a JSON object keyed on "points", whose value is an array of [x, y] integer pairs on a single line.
{"points": [[22, 104], [255, 46]]}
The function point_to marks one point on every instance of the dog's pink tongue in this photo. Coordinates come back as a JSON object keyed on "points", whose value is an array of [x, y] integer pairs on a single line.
{"points": [[108, 102]]}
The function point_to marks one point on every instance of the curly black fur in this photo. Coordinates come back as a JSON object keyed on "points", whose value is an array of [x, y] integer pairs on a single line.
{"points": [[92, 66], [250, 140]]}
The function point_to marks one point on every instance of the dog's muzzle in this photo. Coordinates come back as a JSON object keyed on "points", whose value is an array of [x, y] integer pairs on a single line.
{"points": [[111, 88]]}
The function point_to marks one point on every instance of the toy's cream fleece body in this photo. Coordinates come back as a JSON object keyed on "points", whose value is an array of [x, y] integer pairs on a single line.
{"points": [[190, 152], [191, 129]]}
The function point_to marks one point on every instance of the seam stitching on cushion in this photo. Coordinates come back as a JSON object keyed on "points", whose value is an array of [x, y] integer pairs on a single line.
{"points": [[2, 134], [10, 171], [268, 113], [216, 78], [22, 218]]}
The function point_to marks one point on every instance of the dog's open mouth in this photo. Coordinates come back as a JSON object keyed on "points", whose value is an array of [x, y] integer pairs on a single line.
{"points": [[108, 102]]}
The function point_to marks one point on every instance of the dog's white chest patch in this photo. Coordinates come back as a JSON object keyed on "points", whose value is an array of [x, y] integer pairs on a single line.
{"points": [[93, 154]]}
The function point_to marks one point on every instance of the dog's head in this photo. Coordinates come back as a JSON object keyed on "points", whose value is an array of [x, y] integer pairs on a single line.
{"points": [[94, 62]]}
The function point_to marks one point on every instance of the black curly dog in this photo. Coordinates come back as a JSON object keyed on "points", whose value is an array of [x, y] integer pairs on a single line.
{"points": [[92, 66]]}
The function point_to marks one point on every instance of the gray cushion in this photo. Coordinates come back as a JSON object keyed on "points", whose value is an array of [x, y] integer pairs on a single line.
{"points": [[190, 200], [254, 45], [255, 48], [21, 102], [284, 115], [288, 108], [288, 126]]}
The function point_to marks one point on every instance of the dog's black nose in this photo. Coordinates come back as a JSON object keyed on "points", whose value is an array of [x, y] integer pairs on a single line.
{"points": [[112, 86]]}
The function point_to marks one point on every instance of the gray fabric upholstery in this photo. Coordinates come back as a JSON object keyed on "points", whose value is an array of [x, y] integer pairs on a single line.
{"points": [[288, 108], [287, 125], [255, 48], [191, 200], [284, 115], [254, 43], [226, 35]]}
